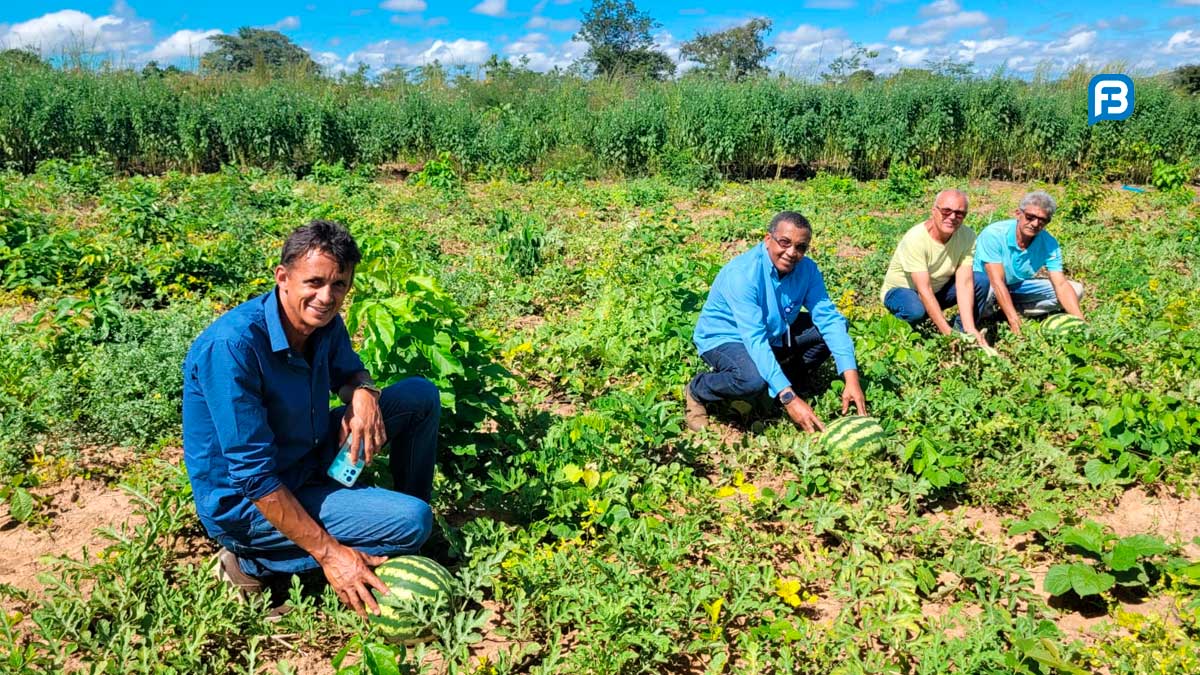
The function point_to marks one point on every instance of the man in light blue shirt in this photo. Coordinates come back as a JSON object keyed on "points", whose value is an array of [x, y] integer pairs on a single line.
{"points": [[751, 329], [1011, 252]]}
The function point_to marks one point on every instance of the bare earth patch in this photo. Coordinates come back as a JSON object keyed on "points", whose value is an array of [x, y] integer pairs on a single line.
{"points": [[76, 508], [1165, 515]]}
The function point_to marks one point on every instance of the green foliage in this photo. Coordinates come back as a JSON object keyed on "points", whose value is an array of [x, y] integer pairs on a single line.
{"points": [[1170, 176], [257, 49], [905, 183], [731, 54], [1187, 77], [619, 41], [440, 175]]}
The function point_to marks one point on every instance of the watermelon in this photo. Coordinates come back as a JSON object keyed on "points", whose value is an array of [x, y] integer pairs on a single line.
{"points": [[417, 584], [1063, 324], [858, 434]]}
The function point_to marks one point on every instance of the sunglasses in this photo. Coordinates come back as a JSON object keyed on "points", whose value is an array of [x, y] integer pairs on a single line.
{"points": [[1036, 220], [946, 213], [800, 246]]}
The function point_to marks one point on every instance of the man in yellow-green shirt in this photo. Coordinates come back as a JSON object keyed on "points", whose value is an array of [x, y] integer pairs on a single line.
{"points": [[931, 270]]}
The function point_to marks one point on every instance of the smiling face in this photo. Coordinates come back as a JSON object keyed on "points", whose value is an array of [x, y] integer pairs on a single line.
{"points": [[787, 246], [949, 211], [311, 291], [1031, 220]]}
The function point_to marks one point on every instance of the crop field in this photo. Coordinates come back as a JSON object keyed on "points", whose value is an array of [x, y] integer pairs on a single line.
{"points": [[1034, 512]]}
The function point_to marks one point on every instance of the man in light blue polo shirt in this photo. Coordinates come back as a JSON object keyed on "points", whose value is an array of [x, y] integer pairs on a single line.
{"points": [[753, 335], [1011, 252]]}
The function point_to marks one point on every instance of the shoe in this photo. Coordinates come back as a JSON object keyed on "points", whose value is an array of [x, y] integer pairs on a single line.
{"points": [[227, 570], [695, 414]]}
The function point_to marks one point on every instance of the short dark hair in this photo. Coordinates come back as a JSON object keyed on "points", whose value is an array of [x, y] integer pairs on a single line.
{"points": [[326, 236], [793, 217]]}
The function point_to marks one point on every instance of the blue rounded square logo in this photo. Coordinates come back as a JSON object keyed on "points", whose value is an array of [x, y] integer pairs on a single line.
{"points": [[1110, 97]]}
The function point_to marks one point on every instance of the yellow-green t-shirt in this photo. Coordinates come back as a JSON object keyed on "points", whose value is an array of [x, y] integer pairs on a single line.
{"points": [[919, 252]]}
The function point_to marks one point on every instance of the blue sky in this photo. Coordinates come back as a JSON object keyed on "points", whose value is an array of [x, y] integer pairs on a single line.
{"points": [[1023, 36]]}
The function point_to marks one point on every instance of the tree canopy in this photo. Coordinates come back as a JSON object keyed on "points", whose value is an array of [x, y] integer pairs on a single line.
{"points": [[255, 48], [731, 54], [619, 41]]}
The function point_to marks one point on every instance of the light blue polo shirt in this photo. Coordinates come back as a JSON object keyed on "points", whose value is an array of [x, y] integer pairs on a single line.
{"points": [[998, 244]]}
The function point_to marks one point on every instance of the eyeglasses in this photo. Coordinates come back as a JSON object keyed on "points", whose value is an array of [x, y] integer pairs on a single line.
{"points": [[946, 213], [1035, 219], [800, 246]]}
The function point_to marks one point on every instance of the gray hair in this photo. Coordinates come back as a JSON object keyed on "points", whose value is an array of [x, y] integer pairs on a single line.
{"points": [[1041, 200], [951, 191]]}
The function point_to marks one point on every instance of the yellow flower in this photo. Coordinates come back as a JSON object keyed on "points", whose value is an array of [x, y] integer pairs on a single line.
{"points": [[789, 590]]}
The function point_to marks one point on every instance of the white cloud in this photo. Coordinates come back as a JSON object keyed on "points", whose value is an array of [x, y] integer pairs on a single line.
{"points": [[909, 58], [1074, 44], [286, 23], [940, 8], [1183, 42], [563, 25], [72, 29], [807, 47], [183, 44], [1121, 23], [495, 8], [404, 5], [936, 30], [972, 50], [390, 53], [542, 55]]}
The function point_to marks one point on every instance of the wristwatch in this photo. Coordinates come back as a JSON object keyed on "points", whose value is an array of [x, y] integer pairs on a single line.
{"points": [[369, 386], [786, 397]]}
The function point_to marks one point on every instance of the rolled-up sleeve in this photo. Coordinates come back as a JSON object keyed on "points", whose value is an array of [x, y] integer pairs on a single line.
{"points": [[830, 322], [747, 309], [343, 362], [231, 378]]}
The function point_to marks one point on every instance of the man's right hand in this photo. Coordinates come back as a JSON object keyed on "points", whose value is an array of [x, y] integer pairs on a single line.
{"points": [[349, 573], [802, 414]]}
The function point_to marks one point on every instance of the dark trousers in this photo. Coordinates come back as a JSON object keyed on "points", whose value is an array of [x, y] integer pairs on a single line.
{"points": [[370, 519], [905, 303], [734, 375]]}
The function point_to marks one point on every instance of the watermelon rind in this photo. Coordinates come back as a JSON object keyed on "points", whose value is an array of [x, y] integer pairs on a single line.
{"points": [[853, 433], [415, 583]]}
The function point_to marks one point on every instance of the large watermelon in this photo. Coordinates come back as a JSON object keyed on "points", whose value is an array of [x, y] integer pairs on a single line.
{"points": [[1063, 324], [858, 434], [417, 584]]}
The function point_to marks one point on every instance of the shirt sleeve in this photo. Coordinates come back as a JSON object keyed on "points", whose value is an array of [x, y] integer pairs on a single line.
{"points": [[229, 375], [830, 322], [989, 248], [1054, 257], [911, 257], [968, 256], [343, 362], [746, 307]]}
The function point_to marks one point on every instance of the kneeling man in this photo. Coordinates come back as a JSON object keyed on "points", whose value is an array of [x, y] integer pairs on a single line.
{"points": [[753, 335], [1011, 252], [258, 434]]}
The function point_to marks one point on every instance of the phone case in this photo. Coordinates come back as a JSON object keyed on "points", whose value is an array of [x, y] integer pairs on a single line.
{"points": [[342, 470]]}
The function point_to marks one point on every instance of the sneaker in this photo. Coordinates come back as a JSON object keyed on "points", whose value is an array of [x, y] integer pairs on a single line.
{"points": [[695, 414], [227, 570]]}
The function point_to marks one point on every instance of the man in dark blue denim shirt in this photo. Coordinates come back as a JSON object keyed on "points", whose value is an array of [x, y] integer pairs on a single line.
{"points": [[258, 434]]}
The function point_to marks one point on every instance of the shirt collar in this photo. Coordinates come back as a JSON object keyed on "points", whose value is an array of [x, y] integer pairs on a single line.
{"points": [[766, 261], [279, 341], [1012, 236]]}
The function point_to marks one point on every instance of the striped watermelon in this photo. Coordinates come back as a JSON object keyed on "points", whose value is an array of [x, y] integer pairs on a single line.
{"points": [[1063, 324], [859, 434], [417, 584]]}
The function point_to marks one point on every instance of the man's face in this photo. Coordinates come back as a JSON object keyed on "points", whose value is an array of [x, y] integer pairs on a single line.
{"points": [[311, 290], [787, 246], [1031, 220], [948, 213]]}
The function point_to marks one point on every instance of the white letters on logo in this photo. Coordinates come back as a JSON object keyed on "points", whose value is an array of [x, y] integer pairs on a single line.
{"points": [[1111, 90]]}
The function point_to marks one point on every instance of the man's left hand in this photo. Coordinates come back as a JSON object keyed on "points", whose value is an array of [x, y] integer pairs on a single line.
{"points": [[363, 424], [853, 392]]}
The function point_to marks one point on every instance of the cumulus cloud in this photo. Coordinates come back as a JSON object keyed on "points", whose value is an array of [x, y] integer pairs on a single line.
{"points": [[940, 8], [1073, 44], [563, 25], [495, 8], [1183, 42], [183, 44], [72, 29], [936, 30], [391, 53], [403, 5], [286, 23], [807, 47], [541, 54]]}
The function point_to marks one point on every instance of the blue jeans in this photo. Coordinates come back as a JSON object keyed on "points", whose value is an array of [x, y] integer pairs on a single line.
{"points": [[905, 303], [1036, 297], [370, 519], [734, 375]]}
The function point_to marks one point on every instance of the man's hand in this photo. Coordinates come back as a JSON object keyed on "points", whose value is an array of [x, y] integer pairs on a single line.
{"points": [[349, 573], [363, 424], [853, 393], [1014, 325], [980, 339], [802, 414]]}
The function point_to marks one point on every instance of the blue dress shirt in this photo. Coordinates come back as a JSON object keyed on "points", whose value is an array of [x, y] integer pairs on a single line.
{"points": [[751, 304], [255, 413]]}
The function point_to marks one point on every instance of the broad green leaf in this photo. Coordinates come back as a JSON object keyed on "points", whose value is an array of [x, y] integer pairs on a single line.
{"points": [[1099, 473], [572, 473], [1058, 580], [20, 505], [380, 659], [1087, 581], [1089, 536], [1129, 550], [1043, 521]]}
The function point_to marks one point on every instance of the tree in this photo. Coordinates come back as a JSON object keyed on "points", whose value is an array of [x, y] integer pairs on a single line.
{"points": [[254, 48], [619, 42], [731, 54], [1188, 78], [852, 64], [22, 58]]}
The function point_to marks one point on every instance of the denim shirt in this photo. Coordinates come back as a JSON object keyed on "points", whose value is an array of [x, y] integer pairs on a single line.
{"points": [[255, 413], [751, 304]]}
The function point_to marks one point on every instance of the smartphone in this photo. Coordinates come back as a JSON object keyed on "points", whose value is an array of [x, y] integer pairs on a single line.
{"points": [[342, 469]]}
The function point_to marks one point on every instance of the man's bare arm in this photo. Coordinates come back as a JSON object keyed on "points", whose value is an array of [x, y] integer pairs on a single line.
{"points": [[929, 301], [995, 272], [1066, 294]]}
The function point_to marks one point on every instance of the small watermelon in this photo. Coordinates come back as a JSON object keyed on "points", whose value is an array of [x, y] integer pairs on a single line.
{"points": [[858, 434], [416, 583], [1063, 324]]}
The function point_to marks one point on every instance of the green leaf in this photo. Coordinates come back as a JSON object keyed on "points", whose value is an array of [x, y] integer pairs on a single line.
{"points": [[380, 659], [1089, 537], [1086, 581], [1043, 521], [1058, 580], [1099, 473], [1129, 550], [20, 505]]}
